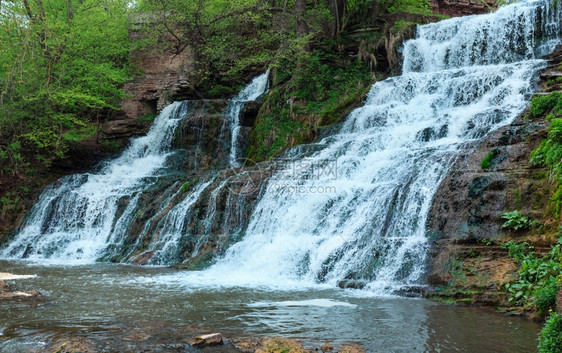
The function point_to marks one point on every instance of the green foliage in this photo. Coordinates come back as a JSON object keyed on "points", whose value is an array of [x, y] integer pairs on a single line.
{"points": [[549, 154], [185, 187], [543, 104], [518, 252], [545, 298], [550, 338], [516, 221], [147, 118], [487, 161], [80, 133], [540, 278], [61, 65], [410, 6], [308, 92]]}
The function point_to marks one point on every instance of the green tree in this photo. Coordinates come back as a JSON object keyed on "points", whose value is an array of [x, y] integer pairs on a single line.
{"points": [[62, 63]]}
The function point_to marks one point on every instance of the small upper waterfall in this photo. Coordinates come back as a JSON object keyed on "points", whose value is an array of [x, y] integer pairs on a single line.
{"points": [[353, 210], [253, 91]]}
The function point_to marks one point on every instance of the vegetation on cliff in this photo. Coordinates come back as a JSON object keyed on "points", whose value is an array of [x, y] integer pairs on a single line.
{"points": [[61, 66], [316, 79]]}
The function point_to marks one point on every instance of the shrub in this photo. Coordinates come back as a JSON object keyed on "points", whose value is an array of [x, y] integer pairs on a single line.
{"points": [[545, 298], [550, 338], [541, 105], [540, 278], [516, 221]]}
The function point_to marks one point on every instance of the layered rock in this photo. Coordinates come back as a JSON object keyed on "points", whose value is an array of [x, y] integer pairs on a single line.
{"points": [[456, 8], [465, 220]]}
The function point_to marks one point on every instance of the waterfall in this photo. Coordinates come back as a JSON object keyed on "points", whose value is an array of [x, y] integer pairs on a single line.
{"points": [[253, 91], [81, 215], [349, 210], [353, 213]]}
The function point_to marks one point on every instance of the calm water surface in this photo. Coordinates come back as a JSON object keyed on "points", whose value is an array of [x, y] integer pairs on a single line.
{"points": [[105, 295]]}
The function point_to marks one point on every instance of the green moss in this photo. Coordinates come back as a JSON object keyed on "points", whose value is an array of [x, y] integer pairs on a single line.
{"points": [[316, 92], [549, 154], [487, 161], [147, 118], [112, 146]]}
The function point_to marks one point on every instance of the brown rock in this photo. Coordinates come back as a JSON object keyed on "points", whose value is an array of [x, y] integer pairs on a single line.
{"points": [[456, 8], [211, 339], [327, 348], [137, 336], [351, 349], [4, 287], [280, 345], [123, 128], [32, 294], [247, 345], [559, 302], [71, 345]]}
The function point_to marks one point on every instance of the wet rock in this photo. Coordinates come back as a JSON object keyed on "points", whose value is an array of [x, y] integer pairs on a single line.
{"points": [[119, 129], [6, 293], [327, 348], [71, 345], [281, 345], [211, 339], [352, 283], [470, 201], [247, 344], [351, 349], [5, 276], [32, 294], [249, 113], [137, 336]]}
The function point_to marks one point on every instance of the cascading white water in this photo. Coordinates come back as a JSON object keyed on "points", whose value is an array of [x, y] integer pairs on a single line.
{"points": [[78, 217], [353, 210], [253, 91], [356, 209], [173, 228]]}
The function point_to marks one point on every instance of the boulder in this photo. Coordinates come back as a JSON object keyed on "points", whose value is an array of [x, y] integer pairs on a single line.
{"points": [[280, 345], [351, 349], [211, 339]]}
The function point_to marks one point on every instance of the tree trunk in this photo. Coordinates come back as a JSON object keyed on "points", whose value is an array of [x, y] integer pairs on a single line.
{"points": [[337, 8], [300, 13]]}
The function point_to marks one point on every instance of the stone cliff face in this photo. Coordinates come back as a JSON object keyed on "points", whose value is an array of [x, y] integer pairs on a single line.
{"points": [[465, 220], [456, 8]]}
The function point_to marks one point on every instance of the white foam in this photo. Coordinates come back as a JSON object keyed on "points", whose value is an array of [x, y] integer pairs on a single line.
{"points": [[324, 303]]}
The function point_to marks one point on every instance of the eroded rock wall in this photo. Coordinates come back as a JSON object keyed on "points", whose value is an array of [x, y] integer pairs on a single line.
{"points": [[457, 8], [466, 261]]}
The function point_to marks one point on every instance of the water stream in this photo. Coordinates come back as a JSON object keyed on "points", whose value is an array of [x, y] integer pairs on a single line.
{"points": [[97, 300], [351, 207]]}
